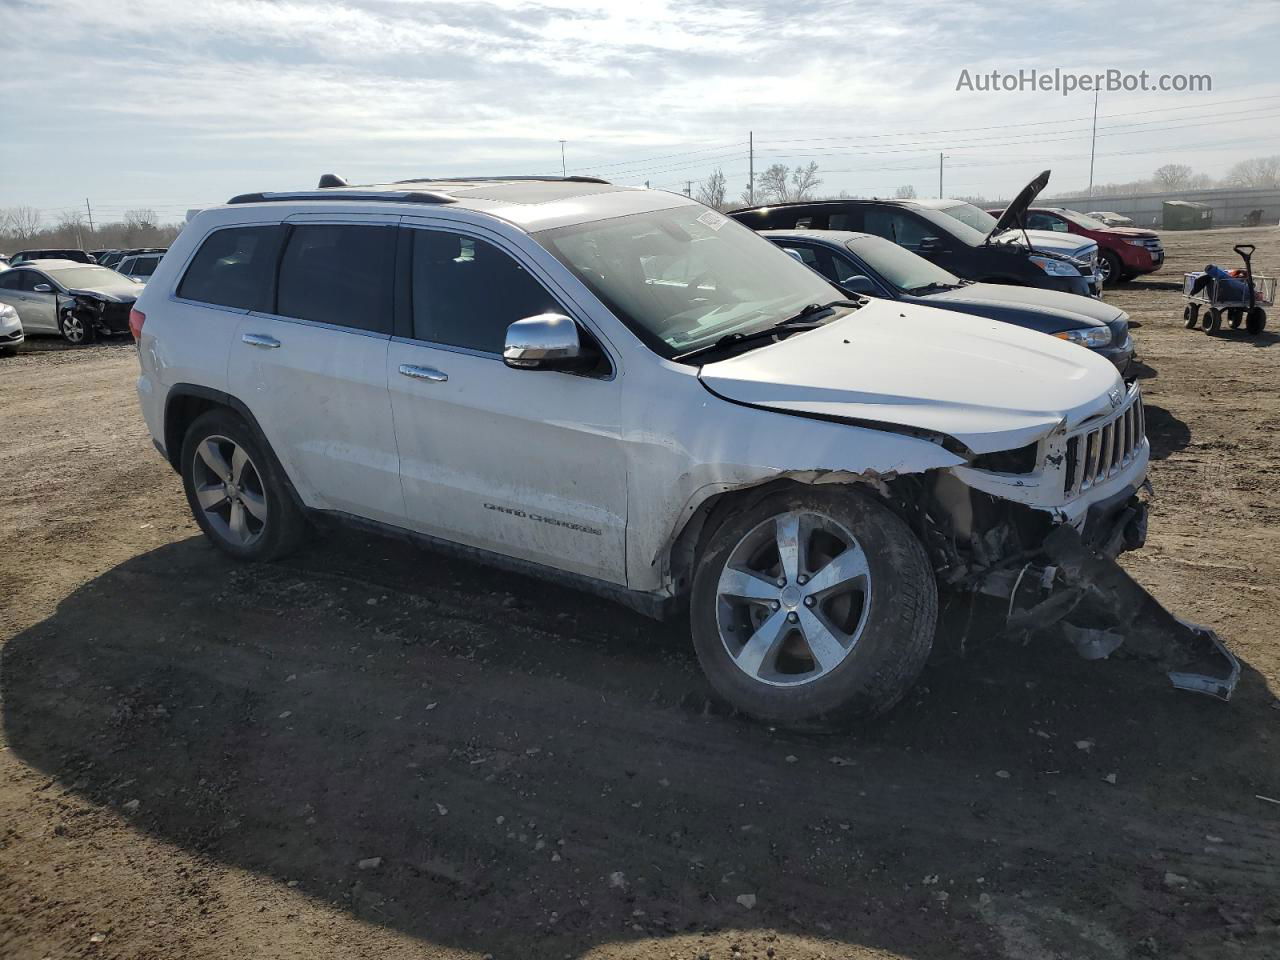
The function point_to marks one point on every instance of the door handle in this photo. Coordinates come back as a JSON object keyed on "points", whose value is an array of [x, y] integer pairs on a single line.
{"points": [[423, 373], [260, 340]]}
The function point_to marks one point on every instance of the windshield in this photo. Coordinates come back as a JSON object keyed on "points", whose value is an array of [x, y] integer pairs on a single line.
{"points": [[1084, 220], [899, 266], [683, 278], [92, 278], [971, 216]]}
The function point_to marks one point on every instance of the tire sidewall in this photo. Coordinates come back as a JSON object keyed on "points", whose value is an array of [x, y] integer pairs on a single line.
{"points": [[280, 508], [85, 325], [859, 685]]}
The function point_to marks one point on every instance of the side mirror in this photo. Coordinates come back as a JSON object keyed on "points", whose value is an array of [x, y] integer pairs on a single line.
{"points": [[930, 245], [42, 288], [860, 284], [547, 342]]}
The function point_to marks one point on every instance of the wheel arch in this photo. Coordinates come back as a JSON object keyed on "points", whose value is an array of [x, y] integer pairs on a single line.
{"points": [[903, 495], [186, 402]]}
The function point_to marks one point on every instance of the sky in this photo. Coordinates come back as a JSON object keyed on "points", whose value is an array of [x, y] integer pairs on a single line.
{"points": [[173, 104]]}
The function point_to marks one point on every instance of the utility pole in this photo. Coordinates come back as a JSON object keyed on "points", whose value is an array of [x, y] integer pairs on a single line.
{"points": [[688, 188], [751, 167], [940, 159], [564, 171], [1093, 143], [90, 211]]}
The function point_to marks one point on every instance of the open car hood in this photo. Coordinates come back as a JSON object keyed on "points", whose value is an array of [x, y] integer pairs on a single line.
{"points": [[987, 384], [1016, 211]]}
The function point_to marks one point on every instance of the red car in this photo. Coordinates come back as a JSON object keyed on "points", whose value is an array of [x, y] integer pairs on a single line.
{"points": [[1123, 252]]}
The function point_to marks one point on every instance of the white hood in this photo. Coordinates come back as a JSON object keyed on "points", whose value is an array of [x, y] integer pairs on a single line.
{"points": [[990, 385]]}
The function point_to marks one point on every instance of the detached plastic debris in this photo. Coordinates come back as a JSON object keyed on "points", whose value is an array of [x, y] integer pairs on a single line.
{"points": [[1193, 655]]}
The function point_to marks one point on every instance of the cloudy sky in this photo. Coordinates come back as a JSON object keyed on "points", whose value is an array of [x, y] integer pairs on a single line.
{"points": [[170, 104]]}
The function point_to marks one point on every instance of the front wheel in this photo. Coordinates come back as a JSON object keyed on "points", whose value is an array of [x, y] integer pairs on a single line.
{"points": [[1212, 321], [1110, 267], [1255, 321], [813, 607], [237, 491], [75, 329]]}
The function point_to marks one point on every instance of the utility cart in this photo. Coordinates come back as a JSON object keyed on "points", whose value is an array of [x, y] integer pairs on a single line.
{"points": [[1225, 299]]}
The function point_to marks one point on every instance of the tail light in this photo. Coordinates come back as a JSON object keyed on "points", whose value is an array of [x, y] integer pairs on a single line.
{"points": [[136, 319]]}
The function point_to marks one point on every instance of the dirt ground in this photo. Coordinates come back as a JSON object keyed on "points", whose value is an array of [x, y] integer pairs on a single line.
{"points": [[368, 750]]}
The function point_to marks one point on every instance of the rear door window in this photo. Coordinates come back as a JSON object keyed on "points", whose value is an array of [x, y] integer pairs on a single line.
{"points": [[900, 226], [234, 267], [339, 273]]}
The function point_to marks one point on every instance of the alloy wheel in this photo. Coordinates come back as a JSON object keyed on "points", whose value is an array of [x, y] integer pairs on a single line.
{"points": [[73, 329], [793, 598], [228, 488]]}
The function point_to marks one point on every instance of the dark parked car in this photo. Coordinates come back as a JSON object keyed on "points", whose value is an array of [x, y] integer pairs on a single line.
{"points": [[139, 266], [23, 256], [114, 258], [955, 235], [1123, 252], [862, 264]]}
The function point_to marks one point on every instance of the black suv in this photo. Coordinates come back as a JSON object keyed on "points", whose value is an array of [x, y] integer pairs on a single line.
{"points": [[23, 256], [955, 235]]}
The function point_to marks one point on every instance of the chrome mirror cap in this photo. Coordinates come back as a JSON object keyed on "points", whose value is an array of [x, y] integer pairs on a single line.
{"points": [[550, 340], [42, 288]]}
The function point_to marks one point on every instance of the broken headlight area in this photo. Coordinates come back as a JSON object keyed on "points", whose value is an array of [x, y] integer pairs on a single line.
{"points": [[1022, 460], [1048, 576]]}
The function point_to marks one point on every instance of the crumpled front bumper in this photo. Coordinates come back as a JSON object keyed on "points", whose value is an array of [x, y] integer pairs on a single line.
{"points": [[1101, 609]]}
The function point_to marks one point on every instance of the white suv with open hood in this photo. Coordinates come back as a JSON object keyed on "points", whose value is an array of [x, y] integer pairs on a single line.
{"points": [[626, 390]]}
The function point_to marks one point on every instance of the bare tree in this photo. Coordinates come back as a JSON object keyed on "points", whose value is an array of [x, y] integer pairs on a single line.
{"points": [[905, 192], [711, 191], [771, 185], [804, 180], [1172, 176], [1256, 172], [22, 223], [141, 218]]}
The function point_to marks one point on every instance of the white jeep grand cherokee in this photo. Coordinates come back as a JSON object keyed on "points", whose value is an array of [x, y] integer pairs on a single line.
{"points": [[626, 390]]}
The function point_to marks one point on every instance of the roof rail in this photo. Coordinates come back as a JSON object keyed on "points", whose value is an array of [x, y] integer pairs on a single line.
{"points": [[328, 193], [573, 179]]}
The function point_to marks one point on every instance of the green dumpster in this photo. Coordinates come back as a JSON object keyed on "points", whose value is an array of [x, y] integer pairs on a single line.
{"points": [[1187, 215]]}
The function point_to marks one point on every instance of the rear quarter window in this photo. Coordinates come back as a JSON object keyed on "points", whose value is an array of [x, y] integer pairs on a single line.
{"points": [[234, 267]]}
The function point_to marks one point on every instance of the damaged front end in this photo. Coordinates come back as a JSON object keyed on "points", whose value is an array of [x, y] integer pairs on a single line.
{"points": [[1040, 529]]}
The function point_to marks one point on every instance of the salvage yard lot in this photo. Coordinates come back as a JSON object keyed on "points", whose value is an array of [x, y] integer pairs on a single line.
{"points": [[370, 750]]}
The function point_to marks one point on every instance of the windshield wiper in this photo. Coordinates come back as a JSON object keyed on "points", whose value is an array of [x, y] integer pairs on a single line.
{"points": [[803, 320], [929, 287]]}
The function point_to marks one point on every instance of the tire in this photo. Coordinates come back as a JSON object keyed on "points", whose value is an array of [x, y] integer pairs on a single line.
{"points": [[1191, 316], [1212, 321], [1234, 317], [1256, 321], [76, 330], [879, 607], [1110, 267], [237, 490]]}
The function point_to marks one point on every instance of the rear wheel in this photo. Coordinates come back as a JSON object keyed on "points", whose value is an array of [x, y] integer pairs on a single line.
{"points": [[237, 491], [813, 607], [1212, 322]]}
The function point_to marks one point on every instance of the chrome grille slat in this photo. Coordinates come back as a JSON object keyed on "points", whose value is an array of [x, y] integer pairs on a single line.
{"points": [[1104, 450]]}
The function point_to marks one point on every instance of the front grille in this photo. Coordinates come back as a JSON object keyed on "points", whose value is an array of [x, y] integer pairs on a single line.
{"points": [[1101, 450], [116, 316]]}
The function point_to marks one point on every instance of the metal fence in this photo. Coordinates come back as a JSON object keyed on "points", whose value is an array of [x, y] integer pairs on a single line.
{"points": [[1230, 206]]}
